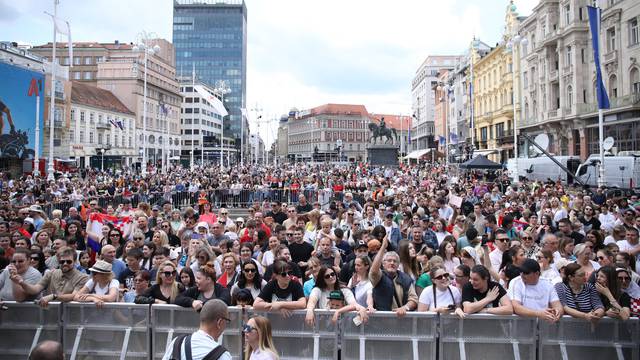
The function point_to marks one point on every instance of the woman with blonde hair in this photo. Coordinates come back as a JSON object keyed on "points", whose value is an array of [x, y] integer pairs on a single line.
{"points": [[166, 288], [160, 238], [257, 336]]}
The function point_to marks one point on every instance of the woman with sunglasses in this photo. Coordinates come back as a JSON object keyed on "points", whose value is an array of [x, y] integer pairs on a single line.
{"points": [[258, 340], [441, 297], [630, 288], [327, 282], [615, 301], [528, 244], [281, 294], [174, 240], [579, 298], [166, 289], [250, 279], [206, 289]]}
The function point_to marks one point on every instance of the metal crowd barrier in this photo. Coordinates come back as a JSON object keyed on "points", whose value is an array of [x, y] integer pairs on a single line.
{"points": [[114, 331], [24, 325], [227, 197], [294, 339], [382, 338], [577, 339], [129, 331], [487, 337], [171, 321]]}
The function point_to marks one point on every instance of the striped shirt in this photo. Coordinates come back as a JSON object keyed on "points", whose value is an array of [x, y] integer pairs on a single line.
{"points": [[586, 301]]}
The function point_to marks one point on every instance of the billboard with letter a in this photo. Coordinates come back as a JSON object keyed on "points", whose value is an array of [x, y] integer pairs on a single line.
{"points": [[21, 108]]}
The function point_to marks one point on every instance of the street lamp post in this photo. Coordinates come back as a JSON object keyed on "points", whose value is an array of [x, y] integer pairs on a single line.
{"points": [[143, 45], [446, 89], [475, 45], [512, 45], [222, 89]]}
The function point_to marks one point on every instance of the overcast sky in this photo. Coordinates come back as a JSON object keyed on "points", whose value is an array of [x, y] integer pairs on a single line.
{"points": [[301, 53]]}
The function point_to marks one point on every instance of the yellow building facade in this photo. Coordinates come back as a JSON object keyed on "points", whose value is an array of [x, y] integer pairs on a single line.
{"points": [[493, 98]]}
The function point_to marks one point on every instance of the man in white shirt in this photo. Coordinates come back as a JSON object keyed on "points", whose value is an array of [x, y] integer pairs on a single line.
{"points": [[502, 244], [631, 245], [214, 318], [550, 242], [534, 298], [444, 211]]}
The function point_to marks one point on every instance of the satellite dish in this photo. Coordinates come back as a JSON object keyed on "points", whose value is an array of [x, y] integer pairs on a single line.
{"points": [[607, 144], [543, 141]]}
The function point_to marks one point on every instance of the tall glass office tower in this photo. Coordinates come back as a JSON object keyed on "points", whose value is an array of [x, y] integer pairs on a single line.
{"points": [[212, 35]]}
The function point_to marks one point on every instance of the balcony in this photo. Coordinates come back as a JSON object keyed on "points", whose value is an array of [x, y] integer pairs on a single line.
{"points": [[102, 126], [505, 138], [553, 114], [611, 56]]}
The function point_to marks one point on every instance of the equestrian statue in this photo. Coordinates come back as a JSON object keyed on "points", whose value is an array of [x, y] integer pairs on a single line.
{"points": [[381, 131]]}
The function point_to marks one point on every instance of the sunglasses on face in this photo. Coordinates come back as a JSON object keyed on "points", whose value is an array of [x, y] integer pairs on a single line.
{"points": [[35, 258], [247, 328], [441, 276], [138, 238], [223, 213], [527, 238], [169, 273], [285, 273], [503, 240], [66, 262], [250, 270], [329, 275], [289, 234]]}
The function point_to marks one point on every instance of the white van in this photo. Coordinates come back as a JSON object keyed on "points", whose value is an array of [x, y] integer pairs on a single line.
{"points": [[619, 171], [542, 168]]}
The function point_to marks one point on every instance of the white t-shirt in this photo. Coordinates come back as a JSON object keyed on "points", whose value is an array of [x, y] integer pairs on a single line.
{"points": [[361, 290], [322, 297], [625, 246], [551, 274], [535, 297], [443, 298], [94, 288], [496, 258]]}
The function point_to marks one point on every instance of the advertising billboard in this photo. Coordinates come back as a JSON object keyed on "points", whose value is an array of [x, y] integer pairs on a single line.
{"points": [[20, 91]]}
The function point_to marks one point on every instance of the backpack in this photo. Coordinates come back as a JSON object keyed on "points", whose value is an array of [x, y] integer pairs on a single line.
{"points": [[177, 344]]}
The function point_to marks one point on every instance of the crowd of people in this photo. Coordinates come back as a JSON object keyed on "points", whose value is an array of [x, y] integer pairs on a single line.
{"points": [[417, 238]]}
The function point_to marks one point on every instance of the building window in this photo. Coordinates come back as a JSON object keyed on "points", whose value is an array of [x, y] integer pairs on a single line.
{"points": [[88, 60], [90, 137], [569, 55], [634, 32], [88, 75], [99, 139], [77, 60], [567, 14], [634, 76], [613, 86], [81, 136], [569, 97], [77, 75], [611, 39], [81, 117]]}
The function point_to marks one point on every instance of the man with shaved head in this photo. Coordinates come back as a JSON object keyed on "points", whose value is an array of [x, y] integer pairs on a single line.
{"points": [[214, 317], [108, 254], [47, 350]]}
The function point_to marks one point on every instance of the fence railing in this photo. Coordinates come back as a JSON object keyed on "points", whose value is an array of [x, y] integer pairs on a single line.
{"points": [[221, 197], [129, 331]]}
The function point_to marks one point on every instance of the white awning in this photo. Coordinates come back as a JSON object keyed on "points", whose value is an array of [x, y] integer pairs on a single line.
{"points": [[217, 104], [485, 152], [417, 154]]}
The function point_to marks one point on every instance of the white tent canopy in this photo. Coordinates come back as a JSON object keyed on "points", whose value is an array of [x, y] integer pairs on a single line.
{"points": [[417, 154], [484, 152]]}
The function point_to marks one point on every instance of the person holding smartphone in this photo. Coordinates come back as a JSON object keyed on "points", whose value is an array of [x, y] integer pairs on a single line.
{"points": [[442, 296]]}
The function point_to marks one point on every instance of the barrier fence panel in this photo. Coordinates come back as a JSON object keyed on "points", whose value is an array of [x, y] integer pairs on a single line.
{"points": [[171, 321], [487, 337], [114, 331], [382, 338], [573, 338], [23, 325], [294, 339]]}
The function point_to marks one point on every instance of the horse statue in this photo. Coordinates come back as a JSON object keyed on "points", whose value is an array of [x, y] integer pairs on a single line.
{"points": [[381, 132]]}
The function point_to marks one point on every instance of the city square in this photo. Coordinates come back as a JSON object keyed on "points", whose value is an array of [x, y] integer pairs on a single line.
{"points": [[246, 179]]}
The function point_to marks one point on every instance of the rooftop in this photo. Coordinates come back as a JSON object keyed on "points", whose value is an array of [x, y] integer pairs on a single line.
{"points": [[83, 94]]}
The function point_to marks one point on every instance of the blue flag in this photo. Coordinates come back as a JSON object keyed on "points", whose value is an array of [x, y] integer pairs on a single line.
{"points": [[453, 138], [441, 140], [594, 25]]}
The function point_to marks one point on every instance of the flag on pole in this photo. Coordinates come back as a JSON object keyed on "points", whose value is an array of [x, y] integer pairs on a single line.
{"points": [[442, 140], [453, 138], [594, 26], [98, 220], [63, 27]]}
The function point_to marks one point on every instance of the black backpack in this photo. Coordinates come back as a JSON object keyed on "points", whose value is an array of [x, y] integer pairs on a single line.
{"points": [[177, 344]]}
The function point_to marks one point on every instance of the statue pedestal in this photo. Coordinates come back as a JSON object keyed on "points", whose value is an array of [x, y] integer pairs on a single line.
{"points": [[382, 155]]}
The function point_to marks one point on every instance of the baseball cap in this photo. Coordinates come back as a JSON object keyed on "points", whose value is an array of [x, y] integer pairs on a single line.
{"points": [[529, 266], [361, 243], [336, 295], [388, 214], [203, 224]]}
